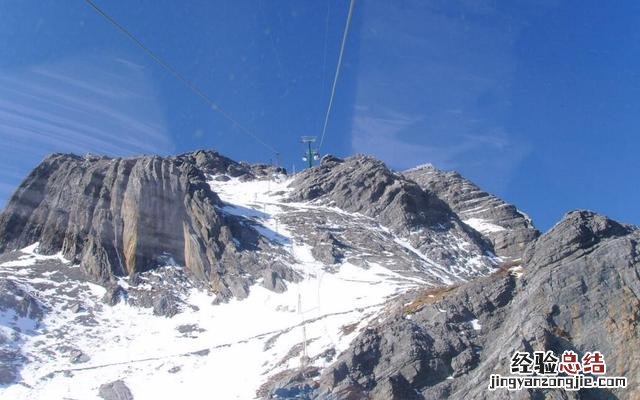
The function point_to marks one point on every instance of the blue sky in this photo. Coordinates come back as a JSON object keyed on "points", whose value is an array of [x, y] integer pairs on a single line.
{"points": [[536, 101]]}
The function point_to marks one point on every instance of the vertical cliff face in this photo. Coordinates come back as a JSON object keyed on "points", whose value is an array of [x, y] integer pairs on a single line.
{"points": [[118, 216], [397, 293]]}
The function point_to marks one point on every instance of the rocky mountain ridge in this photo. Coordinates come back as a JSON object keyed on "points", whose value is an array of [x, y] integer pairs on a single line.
{"points": [[153, 276], [119, 217], [508, 229], [579, 290]]}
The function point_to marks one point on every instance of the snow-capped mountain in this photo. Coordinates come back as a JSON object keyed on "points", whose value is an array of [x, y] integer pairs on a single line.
{"points": [[197, 276]]}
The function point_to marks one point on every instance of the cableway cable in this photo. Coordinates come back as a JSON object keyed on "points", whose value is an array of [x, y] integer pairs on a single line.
{"points": [[179, 76], [337, 74]]}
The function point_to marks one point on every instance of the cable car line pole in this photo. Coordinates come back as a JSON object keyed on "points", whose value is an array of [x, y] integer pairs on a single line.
{"points": [[310, 155]]}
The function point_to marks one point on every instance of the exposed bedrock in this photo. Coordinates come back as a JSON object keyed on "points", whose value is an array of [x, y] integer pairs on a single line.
{"points": [[121, 216], [508, 229]]}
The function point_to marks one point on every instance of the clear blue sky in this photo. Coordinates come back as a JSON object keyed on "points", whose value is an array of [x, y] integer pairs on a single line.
{"points": [[536, 101]]}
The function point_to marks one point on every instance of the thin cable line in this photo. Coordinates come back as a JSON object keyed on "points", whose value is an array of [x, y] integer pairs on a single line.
{"points": [[323, 74], [179, 76], [335, 78]]}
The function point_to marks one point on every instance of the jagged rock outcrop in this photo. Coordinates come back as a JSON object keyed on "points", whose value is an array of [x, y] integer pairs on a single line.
{"points": [[348, 224], [213, 163], [122, 216], [580, 291], [508, 229], [14, 298], [364, 185], [10, 362], [576, 235], [328, 249], [19, 310], [116, 390]]}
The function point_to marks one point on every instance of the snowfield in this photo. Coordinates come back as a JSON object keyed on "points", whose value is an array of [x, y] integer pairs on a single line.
{"points": [[483, 226], [226, 351]]}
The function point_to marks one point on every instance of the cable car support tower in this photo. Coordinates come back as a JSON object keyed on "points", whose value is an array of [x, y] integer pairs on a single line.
{"points": [[310, 155]]}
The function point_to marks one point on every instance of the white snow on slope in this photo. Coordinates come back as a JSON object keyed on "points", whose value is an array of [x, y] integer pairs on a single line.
{"points": [[475, 324], [435, 269], [233, 348], [31, 257], [482, 225], [132, 344], [264, 201]]}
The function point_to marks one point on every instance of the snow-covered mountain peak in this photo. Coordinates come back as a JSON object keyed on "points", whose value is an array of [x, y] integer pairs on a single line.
{"points": [[157, 275]]}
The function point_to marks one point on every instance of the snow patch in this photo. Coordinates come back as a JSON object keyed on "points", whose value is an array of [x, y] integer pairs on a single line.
{"points": [[483, 226], [31, 257], [475, 324]]}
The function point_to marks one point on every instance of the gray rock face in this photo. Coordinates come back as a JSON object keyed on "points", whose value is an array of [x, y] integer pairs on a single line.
{"points": [[115, 215], [580, 291], [328, 249], [116, 390], [574, 236], [78, 356], [16, 303], [7, 374], [114, 294], [166, 304], [275, 276], [213, 163], [365, 186], [15, 298], [122, 216], [11, 361], [512, 230]]}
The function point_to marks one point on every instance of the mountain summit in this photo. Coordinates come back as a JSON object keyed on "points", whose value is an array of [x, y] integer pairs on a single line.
{"points": [[159, 277]]}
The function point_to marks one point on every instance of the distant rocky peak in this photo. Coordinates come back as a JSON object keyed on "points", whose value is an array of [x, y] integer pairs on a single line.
{"points": [[591, 224], [503, 224], [426, 167], [578, 232], [330, 158], [365, 185], [213, 163]]}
